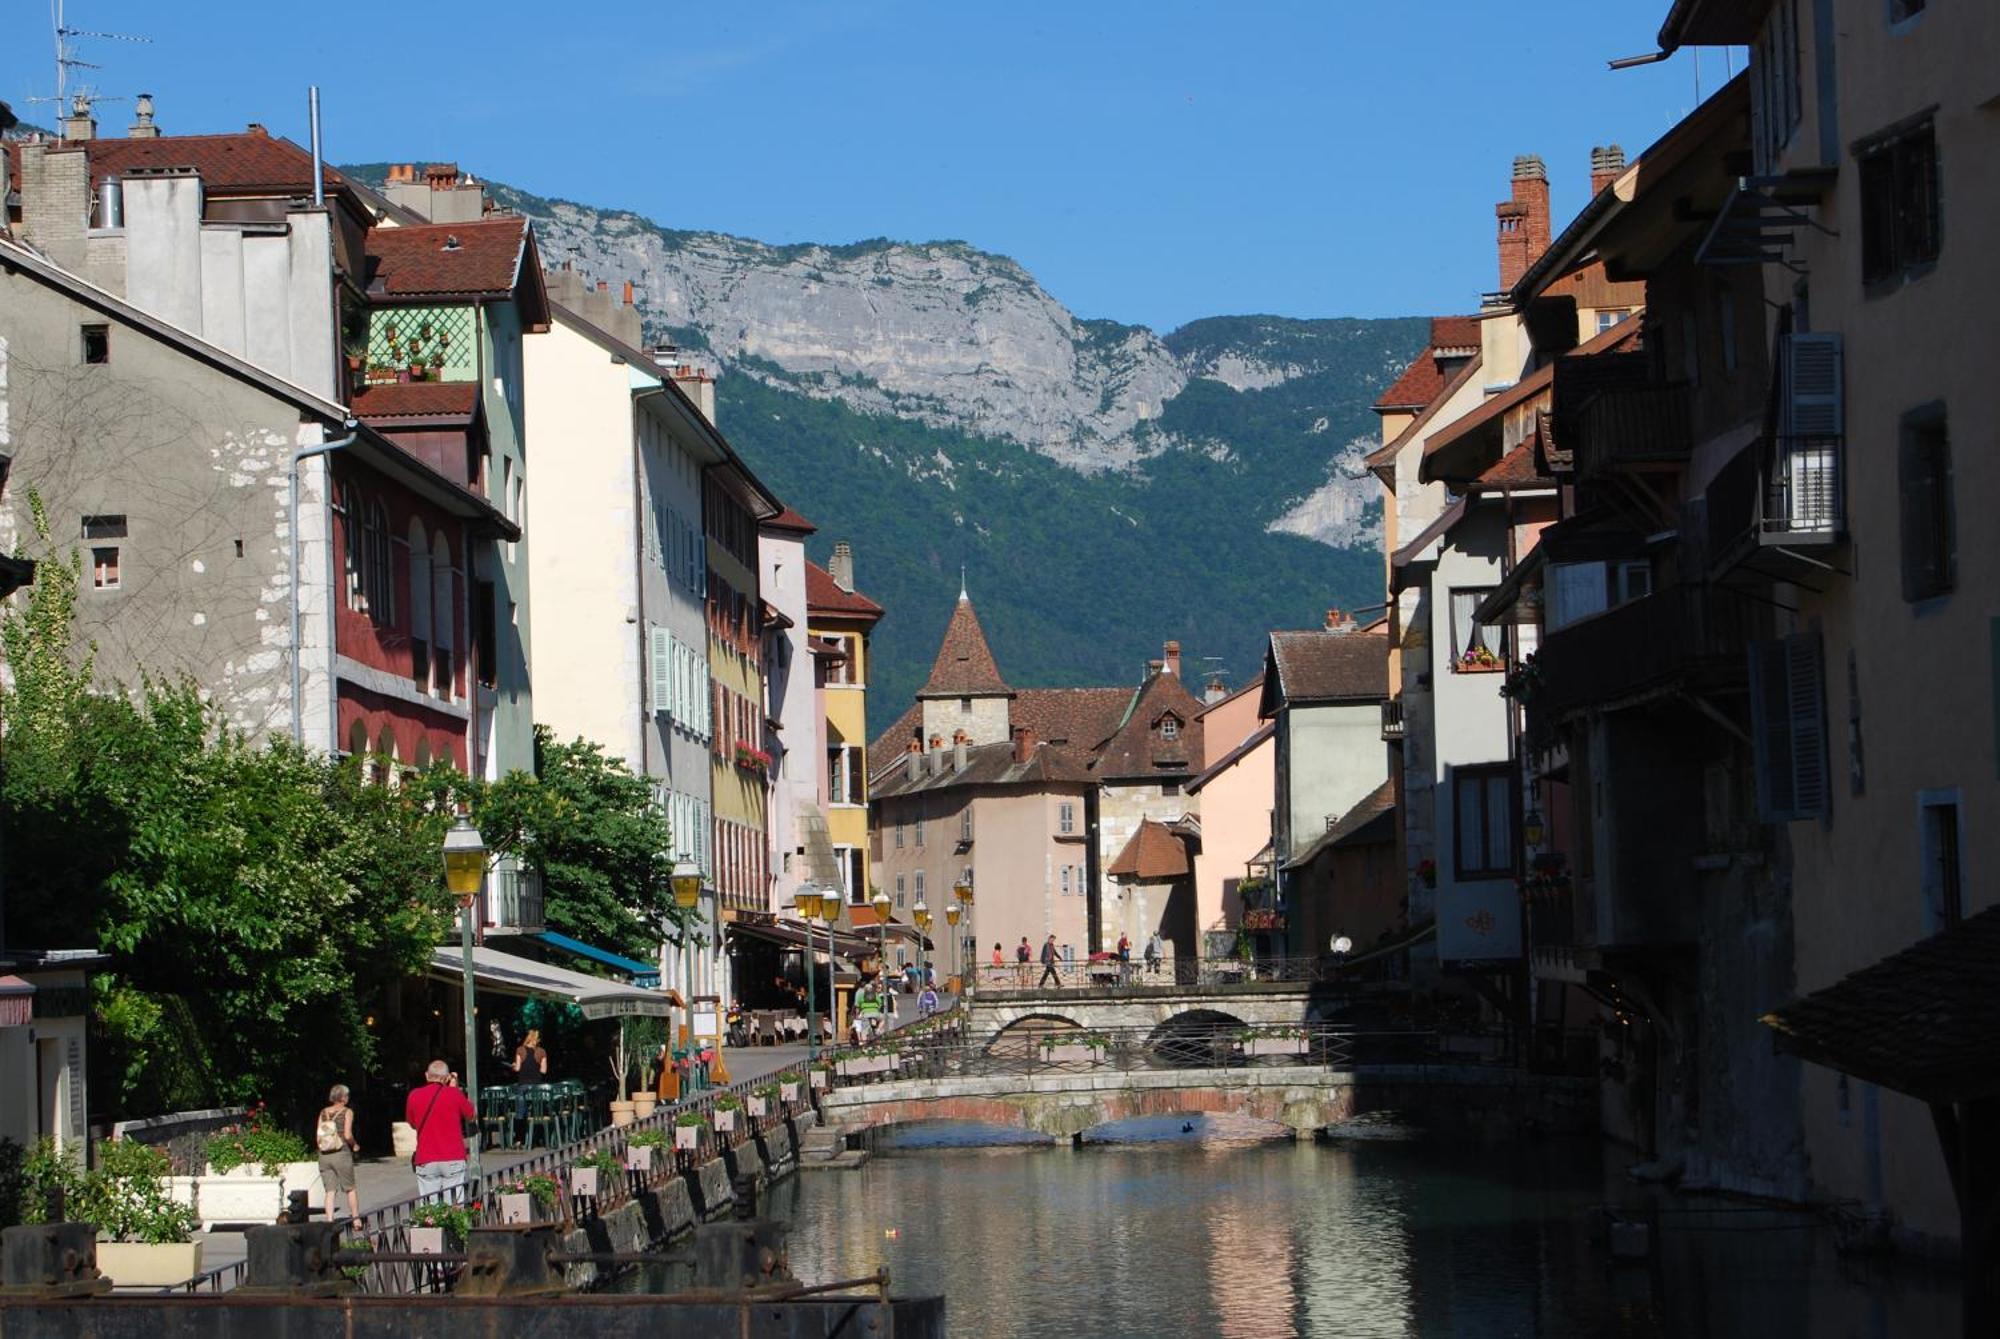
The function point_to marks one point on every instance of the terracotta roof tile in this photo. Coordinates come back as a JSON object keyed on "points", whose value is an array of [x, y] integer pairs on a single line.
{"points": [[964, 666], [823, 597], [1425, 378], [1079, 719], [1153, 855], [985, 765], [1141, 746], [1321, 666], [1516, 469], [790, 520], [417, 399], [249, 162], [482, 258]]}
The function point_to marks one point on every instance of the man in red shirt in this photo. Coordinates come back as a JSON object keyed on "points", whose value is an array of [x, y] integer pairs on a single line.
{"points": [[438, 1112]]}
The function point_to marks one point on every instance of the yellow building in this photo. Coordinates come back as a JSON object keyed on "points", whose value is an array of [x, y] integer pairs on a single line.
{"points": [[739, 865], [838, 624]]}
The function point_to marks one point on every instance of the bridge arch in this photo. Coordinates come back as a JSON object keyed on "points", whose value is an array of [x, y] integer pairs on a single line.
{"points": [[1020, 1033], [1193, 1038]]}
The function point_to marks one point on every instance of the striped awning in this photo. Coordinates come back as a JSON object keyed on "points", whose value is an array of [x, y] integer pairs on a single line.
{"points": [[17, 1001]]}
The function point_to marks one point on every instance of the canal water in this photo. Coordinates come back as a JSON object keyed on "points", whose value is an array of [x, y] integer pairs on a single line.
{"points": [[1171, 1232]]}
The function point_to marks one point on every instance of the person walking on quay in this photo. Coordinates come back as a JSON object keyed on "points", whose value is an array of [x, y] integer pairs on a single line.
{"points": [[333, 1134], [868, 1008], [1021, 956], [1049, 972], [1124, 957], [999, 962], [1154, 951], [438, 1112]]}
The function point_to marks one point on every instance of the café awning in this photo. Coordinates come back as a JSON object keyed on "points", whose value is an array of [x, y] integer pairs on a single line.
{"points": [[791, 934], [508, 974], [642, 973]]}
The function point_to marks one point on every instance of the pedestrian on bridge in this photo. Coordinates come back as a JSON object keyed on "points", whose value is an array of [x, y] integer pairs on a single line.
{"points": [[1021, 957], [1154, 951], [1049, 972]]}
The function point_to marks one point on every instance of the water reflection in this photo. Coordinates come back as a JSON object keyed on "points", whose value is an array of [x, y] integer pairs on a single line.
{"points": [[1384, 1236]]}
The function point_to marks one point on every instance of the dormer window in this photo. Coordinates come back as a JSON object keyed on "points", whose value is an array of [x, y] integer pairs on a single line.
{"points": [[1170, 726]]}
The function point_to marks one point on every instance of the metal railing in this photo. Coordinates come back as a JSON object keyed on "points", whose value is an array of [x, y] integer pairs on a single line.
{"points": [[1030, 1051], [1170, 974], [1392, 719], [514, 897]]}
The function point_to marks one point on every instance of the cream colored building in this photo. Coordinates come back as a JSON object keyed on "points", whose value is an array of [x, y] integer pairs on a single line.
{"points": [[1876, 122]]}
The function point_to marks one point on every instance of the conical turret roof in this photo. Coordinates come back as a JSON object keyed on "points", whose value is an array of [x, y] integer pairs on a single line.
{"points": [[964, 666]]}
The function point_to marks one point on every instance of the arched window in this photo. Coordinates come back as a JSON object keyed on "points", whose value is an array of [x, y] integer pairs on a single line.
{"points": [[442, 606], [357, 739], [375, 571], [422, 758], [420, 609], [351, 542], [385, 757]]}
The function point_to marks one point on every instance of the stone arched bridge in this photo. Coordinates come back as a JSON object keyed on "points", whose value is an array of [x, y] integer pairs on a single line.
{"points": [[990, 1013], [1301, 1098]]}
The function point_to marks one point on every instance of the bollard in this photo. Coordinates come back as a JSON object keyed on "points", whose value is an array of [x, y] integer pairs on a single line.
{"points": [[294, 1259], [49, 1260], [511, 1261]]}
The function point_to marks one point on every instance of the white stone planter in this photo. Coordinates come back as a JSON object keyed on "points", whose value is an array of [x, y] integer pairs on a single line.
{"points": [[232, 1198], [724, 1120], [1072, 1055], [517, 1209], [687, 1137], [639, 1158], [789, 1091], [1275, 1046], [181, 1190], [759, 1107], [427, 1241], [130, 1264], [583, 1181]]}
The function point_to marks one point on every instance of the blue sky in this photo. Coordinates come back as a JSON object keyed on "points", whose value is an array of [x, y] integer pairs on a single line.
{"points": [[1148, 162]]}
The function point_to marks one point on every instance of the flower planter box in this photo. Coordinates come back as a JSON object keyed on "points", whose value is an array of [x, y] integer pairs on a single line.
{"points": [[724, 1121], [1275, 1046], [789, 1092], [131, 1264], [426, 1241], [1072, 1055], [687, 1137], [583, 1181], [639, 1158], [239, 1199], [517, 1209], [759, 1107], [819, 1078]]}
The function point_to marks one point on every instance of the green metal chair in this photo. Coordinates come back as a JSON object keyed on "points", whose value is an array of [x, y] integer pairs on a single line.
{"points": [[540, 1122], [574, 1100], [496, 1115]]}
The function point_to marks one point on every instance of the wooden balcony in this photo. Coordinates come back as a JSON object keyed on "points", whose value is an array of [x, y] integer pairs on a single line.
{"points": [[1633, 429], [1638, 650]]}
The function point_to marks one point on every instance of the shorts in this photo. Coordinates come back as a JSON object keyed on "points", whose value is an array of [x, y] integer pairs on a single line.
{"points": [[337, 1171]]}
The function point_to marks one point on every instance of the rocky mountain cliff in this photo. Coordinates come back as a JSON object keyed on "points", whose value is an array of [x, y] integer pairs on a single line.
{"points": [[1106, 487]]}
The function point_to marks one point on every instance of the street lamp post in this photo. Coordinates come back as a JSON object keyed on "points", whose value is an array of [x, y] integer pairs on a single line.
{"points": [[686, 880], [807, 904], [952, 915], [881, 904], [963, 892], [921, 916], [464, 871]]}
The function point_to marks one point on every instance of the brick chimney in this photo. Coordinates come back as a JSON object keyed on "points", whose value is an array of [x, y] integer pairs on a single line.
{"points": [[1215, 691], [841, 566], [1024, 743], [142, 119], [1523, 220], [1174, 659], [1607, 164]]}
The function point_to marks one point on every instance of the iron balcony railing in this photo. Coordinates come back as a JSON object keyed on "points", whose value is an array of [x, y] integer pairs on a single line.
{"points": [[1777, 493], [1392, 719]]}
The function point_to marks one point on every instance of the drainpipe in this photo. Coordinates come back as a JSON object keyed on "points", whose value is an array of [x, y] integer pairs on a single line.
{"points": [[298, 676]]}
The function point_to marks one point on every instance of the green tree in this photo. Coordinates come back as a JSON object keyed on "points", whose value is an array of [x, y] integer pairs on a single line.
{"points": [[600, 841]]}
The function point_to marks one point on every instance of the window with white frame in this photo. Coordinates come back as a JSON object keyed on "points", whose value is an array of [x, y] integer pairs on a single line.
{"points": [[1066, 817], [1483, 847]]}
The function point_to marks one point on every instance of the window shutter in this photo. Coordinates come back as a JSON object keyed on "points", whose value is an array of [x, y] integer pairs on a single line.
{"points": [[1813, 406], [1770, 730], [661, 668], [1916, 468], [1808, 707]]}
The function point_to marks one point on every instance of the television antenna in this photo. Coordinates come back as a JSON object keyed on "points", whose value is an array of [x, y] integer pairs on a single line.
{"points": [[68, 60]]}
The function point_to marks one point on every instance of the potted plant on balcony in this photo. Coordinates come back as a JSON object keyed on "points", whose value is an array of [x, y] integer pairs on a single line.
{"points": [[1085, 1048], [523, 1199], [763, 1100], [789, 1090], [821, 1075], [687, 1130], [252, 1167], [1273, 1041], [144, 1238], [623, 1111], [595, 1173], [726, 1107]]}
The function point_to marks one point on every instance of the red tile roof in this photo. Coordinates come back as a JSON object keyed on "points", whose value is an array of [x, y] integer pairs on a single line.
{"points": [[1078, 719], [791, 521], [480, 259], [1516, 469], [1153, 855], [823, 597], [1322, 666], [964, 666], [417, 399], [1141, 747], [249, 163], [1424, 379]]}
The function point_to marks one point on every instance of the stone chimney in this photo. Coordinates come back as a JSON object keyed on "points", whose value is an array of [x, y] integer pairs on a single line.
{"points": [[55, 200], [913, 761], [1024, 743], [79, 124], [1523, 220], [1215, 691], [142, 119], [959, 748], [440, 192], [937, 742], [1607, 164], [1338, 620], [841, 566], [1173, 662], [694, 379]]}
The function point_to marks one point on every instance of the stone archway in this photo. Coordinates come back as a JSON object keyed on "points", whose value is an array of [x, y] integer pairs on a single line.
{"points": [[1018, 1035], [1195, 1038]]}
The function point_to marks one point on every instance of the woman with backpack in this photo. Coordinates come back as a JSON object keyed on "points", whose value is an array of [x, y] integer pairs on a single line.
{"points": [[333, 1134]]}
